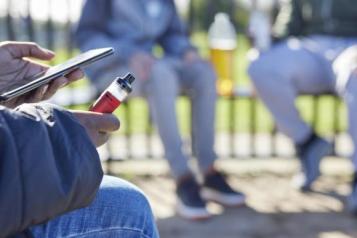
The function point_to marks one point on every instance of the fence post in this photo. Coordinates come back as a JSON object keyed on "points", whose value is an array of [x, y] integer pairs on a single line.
{"points": [[253, 109], [336, 123], [149, 132], [49, 28], [69, 33], [29, 22], [9, 22]]}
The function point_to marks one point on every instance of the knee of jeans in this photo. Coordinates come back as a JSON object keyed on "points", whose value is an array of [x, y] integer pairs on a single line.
{"points": [[163, 78], [121, 204], [162, 68], [259, 69], [123, 196], [204, 76], [256, 70], [204, 69]]}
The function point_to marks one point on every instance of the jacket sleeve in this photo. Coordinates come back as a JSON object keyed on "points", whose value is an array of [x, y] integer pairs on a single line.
{"points": [[175, 40], [48, 166], [96, 29]]}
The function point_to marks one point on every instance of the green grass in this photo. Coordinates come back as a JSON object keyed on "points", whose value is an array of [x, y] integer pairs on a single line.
{"points": [[139, 115]]}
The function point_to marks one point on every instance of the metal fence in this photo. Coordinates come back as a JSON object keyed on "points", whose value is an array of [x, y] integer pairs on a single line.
{"points": [[18, 21]]}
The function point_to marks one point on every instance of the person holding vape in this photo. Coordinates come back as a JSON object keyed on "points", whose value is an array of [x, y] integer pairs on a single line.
{"points": [[133, 28], [51, 180], [317, 53]]}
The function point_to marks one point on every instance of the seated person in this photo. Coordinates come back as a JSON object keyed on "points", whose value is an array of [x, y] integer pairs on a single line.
{"points": [[320, 55], [50, 169], [134, 27]]}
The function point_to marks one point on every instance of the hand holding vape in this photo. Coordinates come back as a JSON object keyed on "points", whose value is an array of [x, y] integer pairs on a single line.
{"points": [[114, 95]]}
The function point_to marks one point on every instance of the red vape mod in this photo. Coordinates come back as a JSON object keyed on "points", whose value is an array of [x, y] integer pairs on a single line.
{"points": [[114, 95]]}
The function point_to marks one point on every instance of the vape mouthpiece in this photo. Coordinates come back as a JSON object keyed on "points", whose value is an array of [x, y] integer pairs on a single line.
{"points": [[125, 83], [130, 78]]}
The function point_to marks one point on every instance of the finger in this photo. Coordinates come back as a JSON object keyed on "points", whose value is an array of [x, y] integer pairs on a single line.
{"points": [[97, 121], [13, 102], [28, 49], [34, 71], [75, 75], [37, 95], [107, 122], [35, 64], [55, 86], [102, 138]]}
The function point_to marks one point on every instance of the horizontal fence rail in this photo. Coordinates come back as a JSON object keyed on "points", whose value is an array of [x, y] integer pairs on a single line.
{"points": [[244, 128]]}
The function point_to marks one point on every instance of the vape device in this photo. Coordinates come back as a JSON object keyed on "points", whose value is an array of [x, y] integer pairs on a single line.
{"points": [[114, 95]]}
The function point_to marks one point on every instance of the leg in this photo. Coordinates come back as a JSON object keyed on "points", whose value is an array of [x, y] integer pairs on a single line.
{"points": [[350, 98], [119, 210], [199, 80], [161, 90], [278, 75], [345, 68]]}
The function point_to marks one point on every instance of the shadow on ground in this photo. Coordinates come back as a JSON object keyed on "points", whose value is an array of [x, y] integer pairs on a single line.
{"points": [[274, 210], [248, 223]]}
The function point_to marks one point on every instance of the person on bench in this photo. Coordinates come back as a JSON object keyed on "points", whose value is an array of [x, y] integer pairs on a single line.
{"points": [[134, 28], [317, 53]]}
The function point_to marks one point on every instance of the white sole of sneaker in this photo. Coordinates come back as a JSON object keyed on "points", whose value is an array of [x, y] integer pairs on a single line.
{"points": [[223, 199], [192, 213]]}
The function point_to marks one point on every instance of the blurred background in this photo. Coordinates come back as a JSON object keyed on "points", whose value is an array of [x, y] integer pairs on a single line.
{"points": [[242, 121], [247, 142]]}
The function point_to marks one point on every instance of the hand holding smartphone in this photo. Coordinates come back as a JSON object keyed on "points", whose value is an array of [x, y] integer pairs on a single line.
{"points": [[54, 72]]}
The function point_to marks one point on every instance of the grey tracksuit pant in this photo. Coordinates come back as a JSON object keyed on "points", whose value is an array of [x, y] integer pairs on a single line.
{"points": [[309, 65], [169, 77]]}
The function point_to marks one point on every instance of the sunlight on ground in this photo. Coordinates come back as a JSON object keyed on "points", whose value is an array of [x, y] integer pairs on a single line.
{"points": [[334, 234]]}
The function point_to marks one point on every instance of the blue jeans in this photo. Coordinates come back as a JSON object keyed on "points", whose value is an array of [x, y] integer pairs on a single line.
{"points": [[119, 210]]}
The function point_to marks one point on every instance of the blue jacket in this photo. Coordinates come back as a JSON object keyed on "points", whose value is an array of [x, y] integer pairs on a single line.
{"points": [[127, 26], [48, 166]]}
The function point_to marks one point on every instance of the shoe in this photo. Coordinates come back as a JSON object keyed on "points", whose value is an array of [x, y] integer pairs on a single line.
{"points": [[215, 188], [190, 203], [310, 155], [352, 199]]}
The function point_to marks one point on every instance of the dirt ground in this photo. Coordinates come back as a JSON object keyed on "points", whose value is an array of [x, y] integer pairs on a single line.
{"points": [[274, 208]]}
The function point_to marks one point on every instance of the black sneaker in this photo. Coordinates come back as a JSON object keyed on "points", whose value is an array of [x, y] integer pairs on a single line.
{"points": [[190, 203], [310, 154], [215, 188]]}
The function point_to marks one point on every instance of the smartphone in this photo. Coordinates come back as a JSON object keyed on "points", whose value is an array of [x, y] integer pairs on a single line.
{"points": [[54, 72]]}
